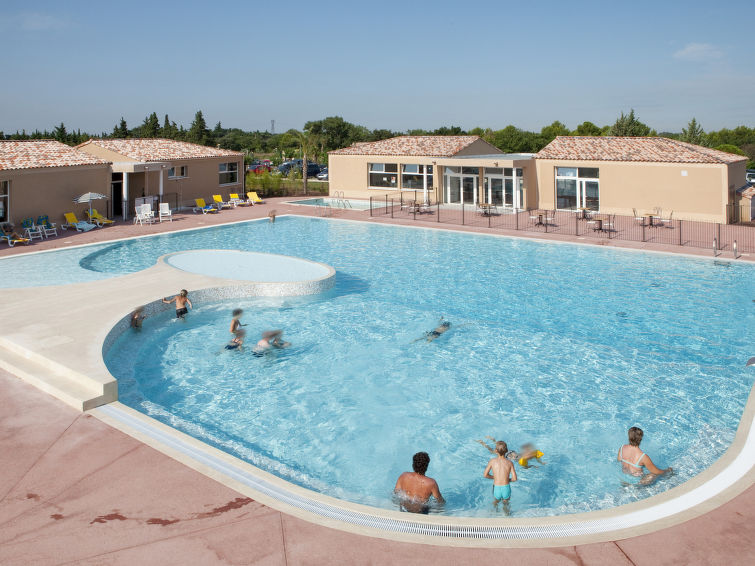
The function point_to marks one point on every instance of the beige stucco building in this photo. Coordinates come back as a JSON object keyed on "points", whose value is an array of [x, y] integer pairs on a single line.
{"points": [[166, 171], [42, 177], [614, 175]]}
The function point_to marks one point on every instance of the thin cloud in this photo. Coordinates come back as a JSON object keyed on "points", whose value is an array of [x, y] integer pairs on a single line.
{"points": [[34, 22], [699, 52]]}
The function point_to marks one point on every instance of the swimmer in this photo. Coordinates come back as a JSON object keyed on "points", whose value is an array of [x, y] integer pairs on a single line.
{"points": [[503, 474], [237, 341], [270, 339], [181, 300], [137, 317], [271, 215], [414, 489], [430, 335], [236, 320], [526, 453], [633, 460]]}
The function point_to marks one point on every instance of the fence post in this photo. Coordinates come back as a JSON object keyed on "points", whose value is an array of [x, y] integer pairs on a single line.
{"points": [[734, 247], [370, 205], [643, 230], [391, 208], [462, 214], [489, 215], [516, 214], [718, 231], [681, 242], [437, 205], [576, 224]]}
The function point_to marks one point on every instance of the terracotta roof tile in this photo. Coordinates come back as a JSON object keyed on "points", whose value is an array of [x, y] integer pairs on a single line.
{"points": [[33, 154], [151, 149], [608, 148], [429, 146]]}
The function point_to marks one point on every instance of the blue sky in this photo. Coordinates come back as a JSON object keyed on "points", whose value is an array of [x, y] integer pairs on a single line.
{"points": [[394, 65]]}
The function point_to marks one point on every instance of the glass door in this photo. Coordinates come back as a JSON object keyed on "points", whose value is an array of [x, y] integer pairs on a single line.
{"points": [[590, 195], [453, 189], [469, 189], [494, 190]]}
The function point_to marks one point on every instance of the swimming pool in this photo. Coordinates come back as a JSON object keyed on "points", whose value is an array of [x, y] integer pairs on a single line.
{"points": [[334, 203], [565, 346]]}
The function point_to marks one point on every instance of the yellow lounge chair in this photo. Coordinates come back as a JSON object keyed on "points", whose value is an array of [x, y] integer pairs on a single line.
{"points": [[203, 207], [220, 203], [78, 225], [254, 198], [234, 199], [97, 218]]}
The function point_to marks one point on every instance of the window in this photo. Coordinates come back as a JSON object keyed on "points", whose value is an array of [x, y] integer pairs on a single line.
{"points": [[4, 191], [229, 173], [416, 177], [177, 172], [383, 175], [577, 188]]}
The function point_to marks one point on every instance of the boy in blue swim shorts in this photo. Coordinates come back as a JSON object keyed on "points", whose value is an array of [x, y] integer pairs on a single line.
{"points": [[503, 474]]}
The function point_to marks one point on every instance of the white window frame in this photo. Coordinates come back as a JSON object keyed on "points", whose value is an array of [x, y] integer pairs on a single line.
{"points": [[377, 168], [226, 169], [424, 171], [183, 172], [4, 200]]}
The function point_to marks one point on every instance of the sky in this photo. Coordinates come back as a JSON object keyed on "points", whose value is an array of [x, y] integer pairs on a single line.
{"points": [[391, 65]]}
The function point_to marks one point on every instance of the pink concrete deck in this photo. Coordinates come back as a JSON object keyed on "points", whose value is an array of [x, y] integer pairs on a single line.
{"points": [[75, 490]]}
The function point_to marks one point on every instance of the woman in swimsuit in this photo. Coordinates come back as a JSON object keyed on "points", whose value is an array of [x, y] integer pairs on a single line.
{"points": [[633, 460]]}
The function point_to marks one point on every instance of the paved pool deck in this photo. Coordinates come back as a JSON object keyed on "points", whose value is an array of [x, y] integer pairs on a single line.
{"points": [[75, 490]]}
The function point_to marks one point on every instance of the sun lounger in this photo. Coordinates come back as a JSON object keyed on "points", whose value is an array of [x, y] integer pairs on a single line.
{"points": [[48, 228], [203, 207], [234, 199], [220, 203], [10, 236], [75, 223], [97, 218], [254, 198]]}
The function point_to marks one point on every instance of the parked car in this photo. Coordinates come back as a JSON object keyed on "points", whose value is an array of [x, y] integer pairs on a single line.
{"points": [[750, 175], [312, 168], [323, 174], [259, 168]]}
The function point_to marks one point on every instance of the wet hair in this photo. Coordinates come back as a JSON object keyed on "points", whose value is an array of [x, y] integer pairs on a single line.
{"points": [[445, 324], [420, 461], [501, 447], [237, 312], [184, 292], [635, 436]]}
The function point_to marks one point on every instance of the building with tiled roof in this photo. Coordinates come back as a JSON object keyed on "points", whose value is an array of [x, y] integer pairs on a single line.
{"points": [[608, 175], [151, 171], [42, 177], [36, 154], [425, 146], [155, 149], [645, 149]]}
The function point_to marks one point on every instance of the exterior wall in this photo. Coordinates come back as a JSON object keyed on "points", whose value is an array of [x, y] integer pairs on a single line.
{"points": [[50, 191], [349, 173], [700, 195], [202, 180]]}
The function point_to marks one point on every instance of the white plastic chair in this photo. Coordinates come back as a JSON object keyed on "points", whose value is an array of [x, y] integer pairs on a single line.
{"points": [[165, 212]]}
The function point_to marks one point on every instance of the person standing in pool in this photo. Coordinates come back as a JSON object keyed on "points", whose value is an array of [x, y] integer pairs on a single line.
{"points": [[633, 460], [237, 341], [414, 489], [503, 474], [236, 320], [181, 300]]}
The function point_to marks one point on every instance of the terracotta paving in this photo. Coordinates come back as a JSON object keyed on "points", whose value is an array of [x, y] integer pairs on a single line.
{"points": [[75, 491]]}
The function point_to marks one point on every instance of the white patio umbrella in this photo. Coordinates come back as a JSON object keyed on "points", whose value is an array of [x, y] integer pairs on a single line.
{"points": [[88, 198]]}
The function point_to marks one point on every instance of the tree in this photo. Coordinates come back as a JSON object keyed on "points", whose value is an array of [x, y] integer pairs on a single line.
{"points": [[694, 133], [150, 128], [60, 133], [729, 148], [198, 132], [120, 130], [449, 131], [335, 132], [549, 133], [629, 126], [169, 129], [587, 129], [308, 143]]}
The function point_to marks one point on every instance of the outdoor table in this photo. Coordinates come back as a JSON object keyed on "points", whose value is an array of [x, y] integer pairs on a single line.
{"points": [[650, 216]]}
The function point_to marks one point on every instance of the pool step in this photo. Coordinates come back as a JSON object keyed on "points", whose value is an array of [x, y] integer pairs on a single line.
{"points": [[70, 386]]}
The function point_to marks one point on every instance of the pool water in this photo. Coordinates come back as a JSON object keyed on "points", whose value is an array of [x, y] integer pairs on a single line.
{"points": [[560, 345], [335, 203]]}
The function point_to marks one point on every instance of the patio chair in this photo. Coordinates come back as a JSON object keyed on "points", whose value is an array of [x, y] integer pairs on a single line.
{"points": [[638, 218], [254, 198], [48, 228], [31, 231], [203, 207], [76, 224], [608, 223], [144, 214], [220, 203], [165, 212], [97, 218], [234, 199], [668, 222]]}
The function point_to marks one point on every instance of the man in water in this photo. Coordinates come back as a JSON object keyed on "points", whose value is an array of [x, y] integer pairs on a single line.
{"points": [[270, 339], [414, 489], [503, 473], [430, 335], [181, 300]]}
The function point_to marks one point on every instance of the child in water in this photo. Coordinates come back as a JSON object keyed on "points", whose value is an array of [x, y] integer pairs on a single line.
{"points": [[527, 452], [503, 474]]}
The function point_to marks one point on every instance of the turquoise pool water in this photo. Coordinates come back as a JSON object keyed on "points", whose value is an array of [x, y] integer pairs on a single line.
{"points": [[564, 346], [336, 203]]}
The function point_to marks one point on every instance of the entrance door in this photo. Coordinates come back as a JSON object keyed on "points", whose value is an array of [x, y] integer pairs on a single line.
{"points": [[469, 190], [589, 193], [494, 190], [116, 192], [453, 194]]}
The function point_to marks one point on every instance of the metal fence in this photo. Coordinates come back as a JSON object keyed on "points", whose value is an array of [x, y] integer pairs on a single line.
{"points": [[679, 232]]}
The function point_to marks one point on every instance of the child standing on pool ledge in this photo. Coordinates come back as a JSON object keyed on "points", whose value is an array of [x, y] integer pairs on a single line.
{"points": [[503, 473], [181, 300]]}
